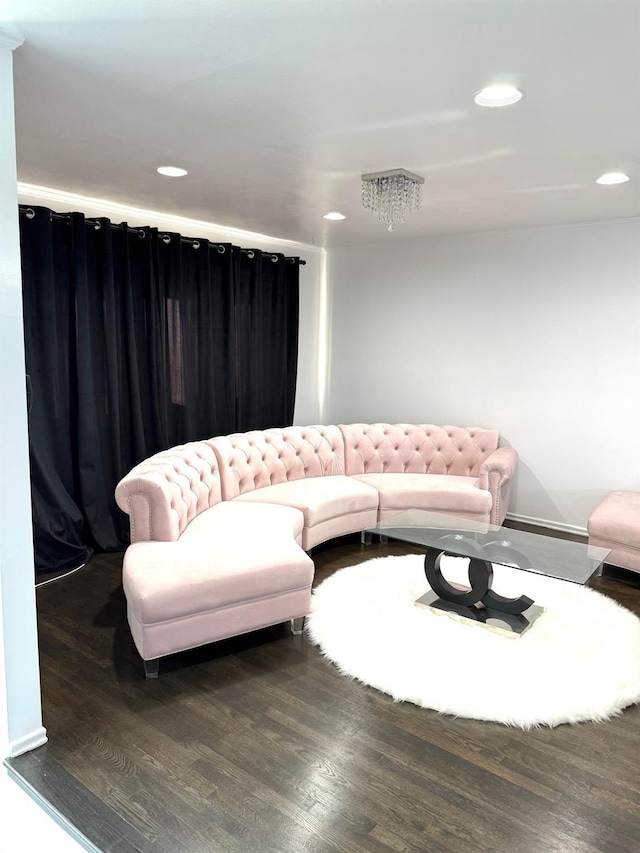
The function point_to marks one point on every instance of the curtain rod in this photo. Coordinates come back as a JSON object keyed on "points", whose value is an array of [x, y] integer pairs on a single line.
{"points": [[166, 238]]}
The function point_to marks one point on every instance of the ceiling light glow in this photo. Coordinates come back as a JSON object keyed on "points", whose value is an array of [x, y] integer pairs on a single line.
{"points": [[171, 171], [334, 216], [500, 95], [611, 178]]}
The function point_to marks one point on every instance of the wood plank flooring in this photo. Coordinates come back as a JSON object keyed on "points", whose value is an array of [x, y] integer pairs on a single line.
{"points": [[257, 744]]}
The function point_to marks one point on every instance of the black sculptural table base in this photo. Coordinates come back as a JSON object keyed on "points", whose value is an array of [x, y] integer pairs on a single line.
{"points": [[477, 604]]}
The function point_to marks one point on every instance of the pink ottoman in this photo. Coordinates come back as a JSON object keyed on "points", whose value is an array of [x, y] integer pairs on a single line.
{"points": [[615, 524]]}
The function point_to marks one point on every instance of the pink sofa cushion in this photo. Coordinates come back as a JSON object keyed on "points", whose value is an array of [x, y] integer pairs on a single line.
{"points": [[253, 460], [616, 519], [163, 494], [164, 581], [416, 448], [319, 499], [239, 517], [435, 492]]}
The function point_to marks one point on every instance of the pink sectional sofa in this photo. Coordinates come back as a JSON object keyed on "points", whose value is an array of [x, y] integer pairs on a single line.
{"points": [[220, 529]]}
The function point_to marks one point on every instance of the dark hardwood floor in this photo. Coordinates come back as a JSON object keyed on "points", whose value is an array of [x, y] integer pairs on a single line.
{"points": [[258, 744]]}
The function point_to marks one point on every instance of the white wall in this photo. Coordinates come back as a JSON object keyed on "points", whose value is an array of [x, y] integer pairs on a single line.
{"points": [[310, 372], [534, 332], [20, 712], [25, 824]]}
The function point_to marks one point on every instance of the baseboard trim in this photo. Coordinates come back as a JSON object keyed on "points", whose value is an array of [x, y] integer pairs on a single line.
{"points": [[36, 738], [550, 525], [52, 811]]}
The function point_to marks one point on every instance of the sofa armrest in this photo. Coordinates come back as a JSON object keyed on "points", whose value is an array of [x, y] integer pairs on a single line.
{"points": [[155, 507], [496, 476], [164, 493]]}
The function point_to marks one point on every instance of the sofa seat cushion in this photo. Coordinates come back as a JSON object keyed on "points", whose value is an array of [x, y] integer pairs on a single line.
{"points": [[166, 581], [435, 492], [319, 498], [241, 517]]}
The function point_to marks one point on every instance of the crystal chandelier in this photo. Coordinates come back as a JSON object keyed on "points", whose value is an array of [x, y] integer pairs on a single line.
{"points": [[392, 194]]}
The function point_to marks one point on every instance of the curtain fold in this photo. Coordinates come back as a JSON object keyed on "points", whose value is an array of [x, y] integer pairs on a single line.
{"points": [[137, 341]]}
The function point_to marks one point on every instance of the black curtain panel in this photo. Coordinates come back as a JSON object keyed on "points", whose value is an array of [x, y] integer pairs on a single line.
{"points": [[137, 340], [267, 339], [49, 319]]}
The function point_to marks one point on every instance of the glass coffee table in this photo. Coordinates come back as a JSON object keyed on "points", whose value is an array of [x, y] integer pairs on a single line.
{"points": [[484, 545]]}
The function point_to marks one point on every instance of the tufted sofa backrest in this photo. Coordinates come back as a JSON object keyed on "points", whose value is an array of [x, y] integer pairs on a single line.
{"points": [[252, 460], [166, 491], [416, 448]]}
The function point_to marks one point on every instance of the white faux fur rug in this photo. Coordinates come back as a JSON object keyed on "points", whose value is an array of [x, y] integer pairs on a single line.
{"points": [[579, 661]]}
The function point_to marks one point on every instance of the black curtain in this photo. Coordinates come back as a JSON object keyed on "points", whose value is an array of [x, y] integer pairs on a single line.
{"points": [[136, 341], [266, 340]]}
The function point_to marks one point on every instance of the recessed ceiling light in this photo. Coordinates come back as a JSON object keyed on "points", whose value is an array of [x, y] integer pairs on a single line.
{"points": [[171, 171], [334, 215], [500, 95], [610, 178]]}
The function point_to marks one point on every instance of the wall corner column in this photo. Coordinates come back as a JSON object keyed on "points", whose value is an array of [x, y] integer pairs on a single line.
{"points": [[21, 726]]}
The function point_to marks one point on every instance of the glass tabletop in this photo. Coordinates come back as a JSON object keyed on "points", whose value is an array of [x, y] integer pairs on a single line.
{"points": [[532, 552]]}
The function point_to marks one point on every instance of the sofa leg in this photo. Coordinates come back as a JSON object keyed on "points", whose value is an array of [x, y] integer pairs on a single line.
{"points": [[365, 537], [151, 668], [297, 625]]}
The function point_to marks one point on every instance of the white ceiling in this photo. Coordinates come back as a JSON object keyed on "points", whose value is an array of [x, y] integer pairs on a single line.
{"points": [[276, 107]]}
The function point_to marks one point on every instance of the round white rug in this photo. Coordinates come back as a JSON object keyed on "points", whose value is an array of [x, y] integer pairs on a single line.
{"points": [[579, 661]]}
